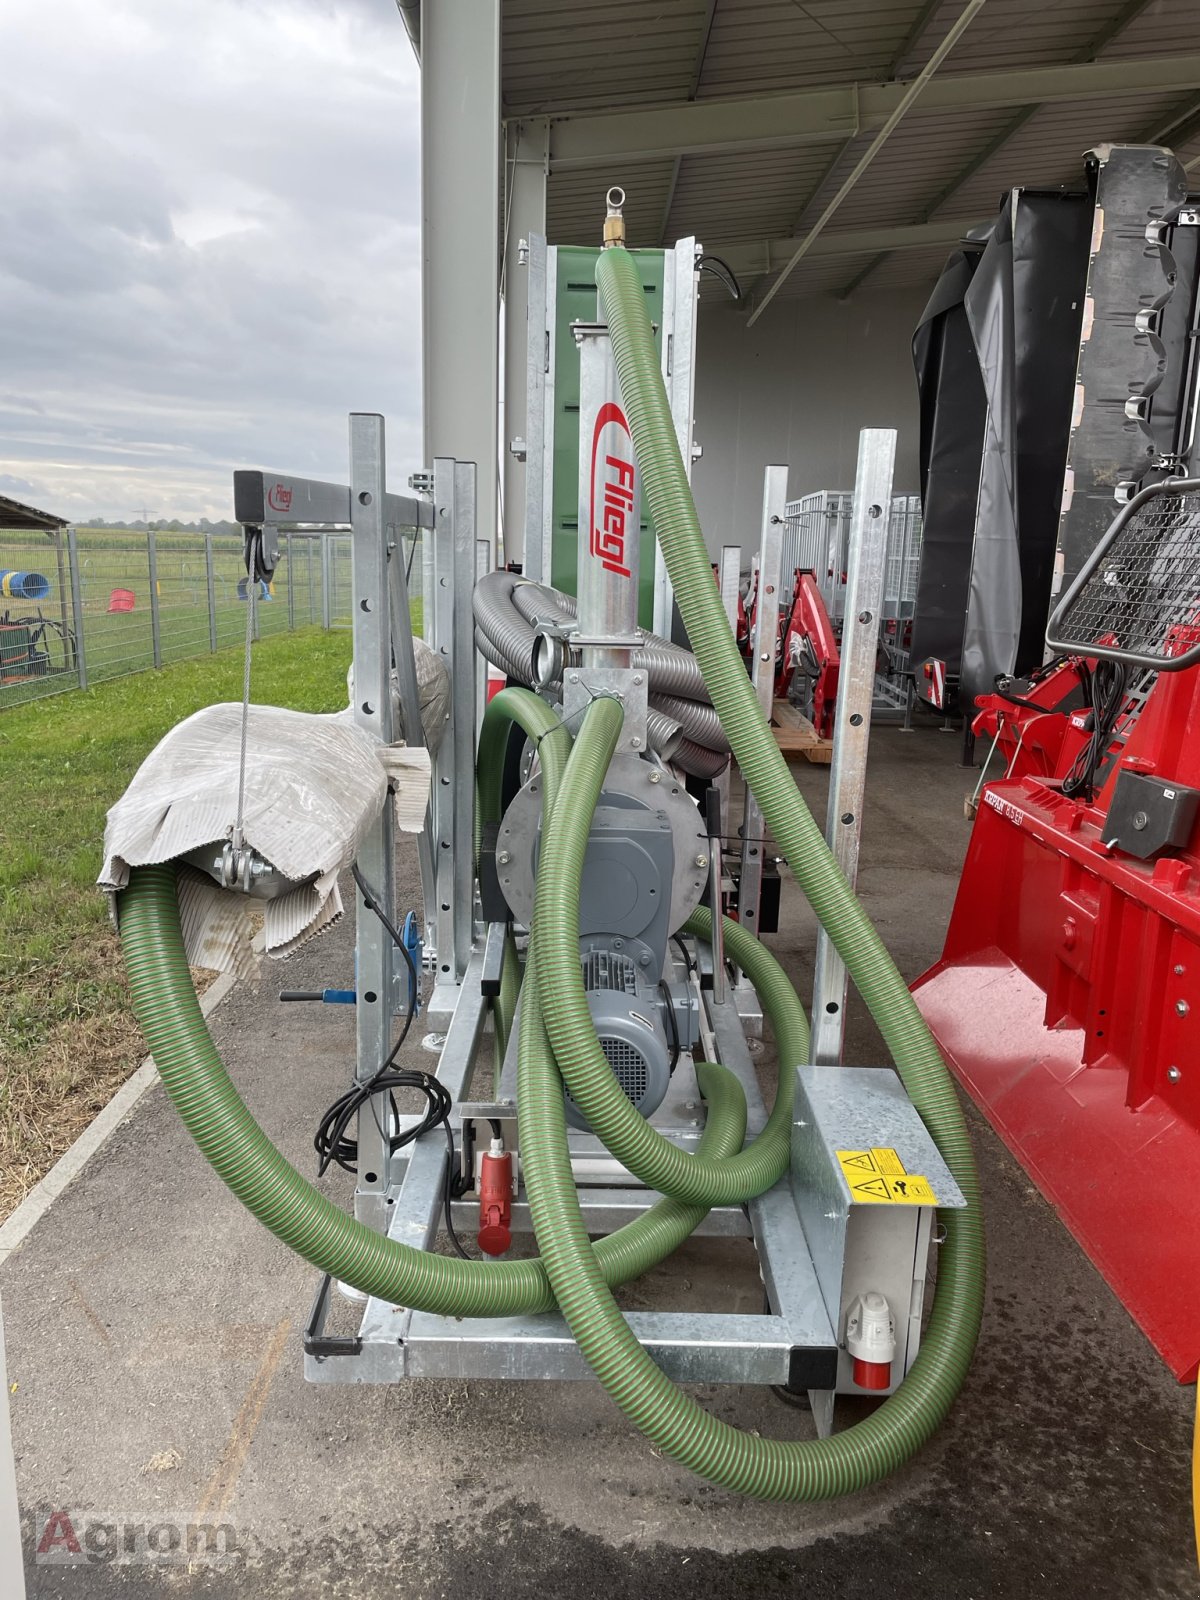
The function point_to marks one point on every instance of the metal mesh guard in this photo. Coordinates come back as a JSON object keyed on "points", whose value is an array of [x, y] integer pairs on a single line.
{"points": [[1137, 598], [629, 1069], [629, 1065]]}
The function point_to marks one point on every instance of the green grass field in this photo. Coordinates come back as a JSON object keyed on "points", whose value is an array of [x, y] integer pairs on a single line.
{"points": [[67, 1039], [116, 642]]}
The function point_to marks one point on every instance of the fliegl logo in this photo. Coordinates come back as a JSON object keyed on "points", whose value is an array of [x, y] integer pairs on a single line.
{"points": [[612, 489]]}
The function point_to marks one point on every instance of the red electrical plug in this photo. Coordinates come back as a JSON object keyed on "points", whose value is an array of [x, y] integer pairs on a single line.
{"points": [[871, 1340], [495, 1199]]}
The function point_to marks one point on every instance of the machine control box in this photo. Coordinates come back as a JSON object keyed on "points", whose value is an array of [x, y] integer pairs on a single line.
{"points": [[867, 1179], [1147, 815]]}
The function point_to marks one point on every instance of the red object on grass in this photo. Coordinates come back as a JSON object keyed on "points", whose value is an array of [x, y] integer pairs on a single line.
{"points": [[121, 600]]}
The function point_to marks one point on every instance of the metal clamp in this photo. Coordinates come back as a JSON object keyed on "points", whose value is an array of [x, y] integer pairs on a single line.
{"points": [[317, 1342]]}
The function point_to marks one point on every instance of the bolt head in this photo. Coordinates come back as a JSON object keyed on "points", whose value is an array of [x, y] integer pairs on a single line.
{"points": [[1182, 1007], [655, 776], [1180, 969], [504, 858], [635, 744], [637, 678], [701, 861], [1174, 1074], [574, 677]]}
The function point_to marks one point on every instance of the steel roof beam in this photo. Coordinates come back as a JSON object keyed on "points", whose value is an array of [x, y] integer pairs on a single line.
{"points": [[818, 116], [922, 20], [767, 255], [697, 75], [912, 93], [1128, 14]]}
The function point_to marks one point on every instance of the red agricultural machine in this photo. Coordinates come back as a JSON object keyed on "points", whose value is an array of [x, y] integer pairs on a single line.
{"points": [[807, 656], [1060, 477], [1068, 994]]}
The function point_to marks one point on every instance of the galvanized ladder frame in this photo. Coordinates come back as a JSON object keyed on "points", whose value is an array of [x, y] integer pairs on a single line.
{"points": [[382, 632], [794, 1340], [852, 727]]}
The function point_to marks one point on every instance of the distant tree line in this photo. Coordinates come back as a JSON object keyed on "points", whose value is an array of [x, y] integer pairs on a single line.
{"points": [[163, 525]]}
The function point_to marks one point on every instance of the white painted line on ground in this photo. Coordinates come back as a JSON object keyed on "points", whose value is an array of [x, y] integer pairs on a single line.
{"points": [[72, 1162], [12, 1559]]}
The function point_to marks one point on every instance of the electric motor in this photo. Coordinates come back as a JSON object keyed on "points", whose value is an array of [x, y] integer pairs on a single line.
{"points": [[627, 1014]]}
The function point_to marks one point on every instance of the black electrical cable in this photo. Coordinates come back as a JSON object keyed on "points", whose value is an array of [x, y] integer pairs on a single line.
{"points": [[722, 271], [1107, 694], [331, 1141], [1002, 680], [676, 1047], [682, 948], [372, 901], [40, 626]]}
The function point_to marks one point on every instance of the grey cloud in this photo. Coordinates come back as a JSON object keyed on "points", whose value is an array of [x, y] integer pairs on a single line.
{"points": [[212, 254]]}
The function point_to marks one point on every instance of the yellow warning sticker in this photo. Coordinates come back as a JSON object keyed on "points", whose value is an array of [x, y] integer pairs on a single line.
{"points": [[878, 1176]]}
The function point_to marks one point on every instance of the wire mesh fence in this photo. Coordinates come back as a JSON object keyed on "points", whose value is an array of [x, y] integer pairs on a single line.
{"points": [[817, 538], [97, 603]]}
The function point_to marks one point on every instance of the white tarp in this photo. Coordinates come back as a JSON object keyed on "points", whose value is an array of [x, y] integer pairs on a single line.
{"points": [[314, 785]]}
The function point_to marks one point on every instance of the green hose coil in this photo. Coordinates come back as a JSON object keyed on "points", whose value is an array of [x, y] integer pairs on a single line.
{"points": [[906, 1420], [177, 1035], [557, 1043]]}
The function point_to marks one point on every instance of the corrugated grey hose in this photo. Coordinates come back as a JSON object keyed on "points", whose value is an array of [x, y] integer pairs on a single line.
{"points": [[682, 725]]}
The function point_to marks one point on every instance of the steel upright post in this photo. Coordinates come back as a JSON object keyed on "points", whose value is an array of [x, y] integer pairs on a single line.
{"points": [[852, 727], [155, 620], [77, 607]]}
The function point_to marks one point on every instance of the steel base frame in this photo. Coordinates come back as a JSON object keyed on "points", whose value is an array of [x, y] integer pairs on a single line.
{"points": [[792, 1342]]}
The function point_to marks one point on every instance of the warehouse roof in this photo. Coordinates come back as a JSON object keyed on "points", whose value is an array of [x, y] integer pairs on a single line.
{"points": [[739, 120], [15, 515]]}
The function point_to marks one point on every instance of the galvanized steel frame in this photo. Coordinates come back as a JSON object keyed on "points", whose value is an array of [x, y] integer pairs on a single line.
{"points": [[852, 727]]}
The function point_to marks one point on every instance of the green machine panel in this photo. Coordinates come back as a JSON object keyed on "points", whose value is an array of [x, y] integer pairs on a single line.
{"points": [[575, 301]]}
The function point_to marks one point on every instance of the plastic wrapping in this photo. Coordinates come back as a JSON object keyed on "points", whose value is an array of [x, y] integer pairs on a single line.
{"points": [[314, 785], [433, 692]]}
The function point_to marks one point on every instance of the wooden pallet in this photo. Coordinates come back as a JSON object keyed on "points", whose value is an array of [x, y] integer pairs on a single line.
{"points": [[796, 736]]}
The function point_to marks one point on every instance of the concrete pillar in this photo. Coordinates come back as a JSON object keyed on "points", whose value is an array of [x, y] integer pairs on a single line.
{"points": [[526, 162], [460, 192]]}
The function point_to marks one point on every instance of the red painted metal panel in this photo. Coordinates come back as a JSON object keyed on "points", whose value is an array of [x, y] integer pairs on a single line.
{"points": [[1067, 1001]]}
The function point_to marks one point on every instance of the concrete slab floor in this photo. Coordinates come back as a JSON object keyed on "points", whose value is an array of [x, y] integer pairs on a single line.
{"points": [[153, 1333]]}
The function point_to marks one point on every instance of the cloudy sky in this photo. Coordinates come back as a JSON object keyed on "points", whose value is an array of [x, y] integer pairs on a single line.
{"points": [[208, 246]]}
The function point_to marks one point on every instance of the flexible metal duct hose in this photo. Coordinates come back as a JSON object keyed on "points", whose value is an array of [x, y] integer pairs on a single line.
{"points": [[665, 738], [507, 611], [501, 633], [699, 721], [699, 760]]}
